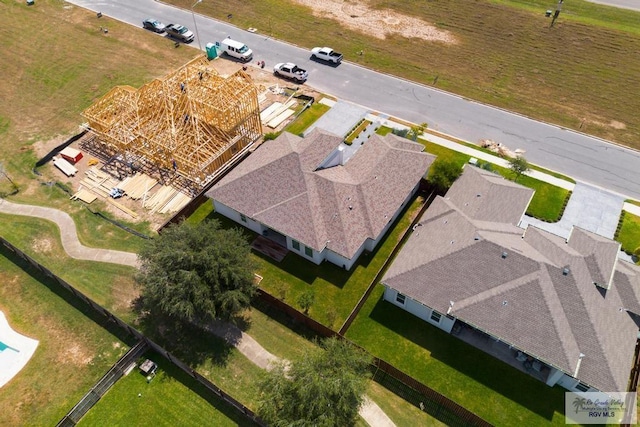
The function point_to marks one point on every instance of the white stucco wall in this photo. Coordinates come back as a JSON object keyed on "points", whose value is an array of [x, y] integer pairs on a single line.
{"points": [[223, 209], [418, 310], [570, 383]]}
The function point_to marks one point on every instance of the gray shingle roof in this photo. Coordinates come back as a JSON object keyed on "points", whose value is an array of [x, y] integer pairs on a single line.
{"points": [[281, 186], [530, 288], [485, 196], [600, 254]]}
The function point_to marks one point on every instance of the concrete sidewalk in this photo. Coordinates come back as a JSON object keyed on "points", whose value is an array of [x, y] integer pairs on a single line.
{"points": [[68, 235], [252, 350]]}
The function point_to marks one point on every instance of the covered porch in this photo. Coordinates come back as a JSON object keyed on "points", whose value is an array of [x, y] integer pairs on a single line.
{"points": [[502, 351]]}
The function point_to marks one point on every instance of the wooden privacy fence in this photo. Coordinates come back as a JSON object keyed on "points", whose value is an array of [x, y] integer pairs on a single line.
{"points": [[144, 343], [405, 386]]}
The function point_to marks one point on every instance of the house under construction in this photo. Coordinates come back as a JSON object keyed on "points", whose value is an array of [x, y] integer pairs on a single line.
{"points": [[191, 121]]}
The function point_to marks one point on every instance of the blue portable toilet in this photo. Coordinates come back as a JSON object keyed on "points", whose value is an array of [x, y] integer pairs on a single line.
{"points": [[212, 52]]}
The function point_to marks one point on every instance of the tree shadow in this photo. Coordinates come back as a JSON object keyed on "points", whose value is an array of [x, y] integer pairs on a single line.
{"points": [[192, 344], [61, 292], [502, 378]]}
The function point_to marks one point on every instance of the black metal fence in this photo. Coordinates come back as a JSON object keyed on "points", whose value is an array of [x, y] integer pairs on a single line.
{"points": [[109, 379], [116, 372]]}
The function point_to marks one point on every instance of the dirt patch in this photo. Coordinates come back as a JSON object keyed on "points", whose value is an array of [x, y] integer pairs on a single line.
{"points": [[41, 245], [617, 125], [377, 23]]}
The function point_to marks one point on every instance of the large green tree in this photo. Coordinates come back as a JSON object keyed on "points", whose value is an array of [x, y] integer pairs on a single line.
{"points": [[197, 272], [443, 173], [325, 388]]}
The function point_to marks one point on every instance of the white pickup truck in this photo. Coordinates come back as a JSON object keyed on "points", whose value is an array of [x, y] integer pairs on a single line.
{"points": [[326, 54], [291, 71]]}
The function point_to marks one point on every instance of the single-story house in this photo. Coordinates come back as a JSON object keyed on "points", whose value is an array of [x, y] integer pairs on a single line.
{"points": [[563, 310], [320, 204]]}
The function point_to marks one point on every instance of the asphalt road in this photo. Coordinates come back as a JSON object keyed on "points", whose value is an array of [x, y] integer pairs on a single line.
{"points": [[580, 156], [623, 4]]}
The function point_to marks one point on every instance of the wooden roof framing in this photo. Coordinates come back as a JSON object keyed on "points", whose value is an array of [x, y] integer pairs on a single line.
{"points": [[192, 116]]}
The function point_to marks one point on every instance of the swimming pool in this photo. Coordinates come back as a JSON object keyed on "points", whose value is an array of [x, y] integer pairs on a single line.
{"points": [[4, 347]]}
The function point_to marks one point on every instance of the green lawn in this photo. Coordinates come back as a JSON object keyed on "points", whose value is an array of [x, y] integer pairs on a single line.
{"points": [[337, 291], [505, 55], [628, 233], [172, 398], [74, 349], [110, 285], [548, 202], [481, 383], [288, 340], [307, 118]]}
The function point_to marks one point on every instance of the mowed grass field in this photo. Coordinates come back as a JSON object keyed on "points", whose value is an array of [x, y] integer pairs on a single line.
{"points": [[56, 62], [74, 351], [582, 73]]}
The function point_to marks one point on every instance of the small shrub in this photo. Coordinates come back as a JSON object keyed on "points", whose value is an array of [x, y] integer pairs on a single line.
{"points": [[400, 132], [271, 135]]}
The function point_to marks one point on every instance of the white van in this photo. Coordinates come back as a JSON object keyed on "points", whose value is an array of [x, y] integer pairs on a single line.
{"points": [[235, 49]]}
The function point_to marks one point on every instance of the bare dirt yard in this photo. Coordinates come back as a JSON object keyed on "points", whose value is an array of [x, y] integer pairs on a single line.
{"points": [[358, 16]]}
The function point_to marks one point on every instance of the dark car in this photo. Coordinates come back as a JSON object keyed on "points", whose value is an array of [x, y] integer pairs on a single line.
{"points": [[179, 32], [153, 25]]}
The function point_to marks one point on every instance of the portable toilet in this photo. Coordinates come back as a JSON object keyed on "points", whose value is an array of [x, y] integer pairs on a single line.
{"points": [[212, 51]]}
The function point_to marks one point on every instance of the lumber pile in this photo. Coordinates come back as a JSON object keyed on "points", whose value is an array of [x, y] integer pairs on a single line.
{"points": [[166, 200], [98, 182], [84, 195], [66, 167], [137, 186], [275, 111]]}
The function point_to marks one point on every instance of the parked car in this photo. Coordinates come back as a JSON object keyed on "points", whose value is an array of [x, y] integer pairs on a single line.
{"points": [[326, 54], [153, 25], [235, 49], [291, 71], [179, 32]]}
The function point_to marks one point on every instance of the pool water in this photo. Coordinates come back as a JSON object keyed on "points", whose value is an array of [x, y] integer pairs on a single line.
{"points": [[3, 347]]}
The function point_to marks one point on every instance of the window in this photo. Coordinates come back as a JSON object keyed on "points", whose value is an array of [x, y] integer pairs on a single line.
{"points": [[308, 251], [400, 298], [582, 387], [243, 218], [295, 244], [435, 316]]}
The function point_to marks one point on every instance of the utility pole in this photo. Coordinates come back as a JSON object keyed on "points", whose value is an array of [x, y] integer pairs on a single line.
{"points": [[557, 12], [196, 25]]}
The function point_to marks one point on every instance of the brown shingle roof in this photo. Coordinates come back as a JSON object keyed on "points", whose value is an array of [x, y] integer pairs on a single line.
{"points": [[532, 290], [282, 186]]}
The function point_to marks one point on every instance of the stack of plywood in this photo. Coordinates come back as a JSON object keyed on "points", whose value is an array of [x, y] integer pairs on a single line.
{"points": [[166, 200], [137, 186], [66, 167], [276, 113], [84, 195]]}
